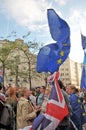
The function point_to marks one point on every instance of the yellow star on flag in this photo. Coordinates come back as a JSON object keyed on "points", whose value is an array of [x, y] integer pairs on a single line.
{"points": [[59, 61], [64, 44], [62, 53]]}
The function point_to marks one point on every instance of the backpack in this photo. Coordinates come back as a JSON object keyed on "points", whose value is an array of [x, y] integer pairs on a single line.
{"points": [[6, 115], [1, 107]]}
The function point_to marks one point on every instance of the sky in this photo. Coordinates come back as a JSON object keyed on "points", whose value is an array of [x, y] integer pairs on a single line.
{"points": [[18, 17]]}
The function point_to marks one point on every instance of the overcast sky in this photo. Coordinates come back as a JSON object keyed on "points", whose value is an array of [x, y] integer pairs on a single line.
{"points": [[18, 17]]}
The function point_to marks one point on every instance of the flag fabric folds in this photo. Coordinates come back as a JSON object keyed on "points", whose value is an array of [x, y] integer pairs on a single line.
{"points": [[59, 29], [51, 56], [83, 38], [83, 77], [56, 109]]}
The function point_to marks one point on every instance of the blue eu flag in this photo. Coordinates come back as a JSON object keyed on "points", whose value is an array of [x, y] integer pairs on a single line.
{"points": [[83, 38], [51, 56], [59, 29], [83, 78]]}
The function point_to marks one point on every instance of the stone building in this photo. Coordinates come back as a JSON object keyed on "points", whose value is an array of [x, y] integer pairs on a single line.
{"points": [[70, 72]]}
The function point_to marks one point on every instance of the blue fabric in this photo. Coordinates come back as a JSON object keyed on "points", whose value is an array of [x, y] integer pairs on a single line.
{"points": [[51, 56], [84, 62], [83, 38], [37, 122], [1, 79], [83, 77], [78, 110], [59, 29]]}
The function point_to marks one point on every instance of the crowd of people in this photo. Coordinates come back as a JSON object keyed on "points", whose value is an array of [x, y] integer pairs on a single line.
{"points": [[28, 104]]}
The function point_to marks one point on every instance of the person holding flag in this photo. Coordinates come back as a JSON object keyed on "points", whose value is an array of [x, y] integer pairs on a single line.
{"points": [[65, 123], [49, 59]]}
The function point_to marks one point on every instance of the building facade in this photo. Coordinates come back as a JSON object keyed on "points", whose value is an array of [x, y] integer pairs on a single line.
{"points": [[70, 72], [19, 68]]}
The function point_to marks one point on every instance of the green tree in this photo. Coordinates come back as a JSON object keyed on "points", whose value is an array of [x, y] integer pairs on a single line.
{"points": [[5, 50], [18, 66]]}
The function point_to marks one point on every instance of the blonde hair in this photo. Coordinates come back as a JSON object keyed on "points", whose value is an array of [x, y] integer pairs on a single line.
{"points": [[21, 91]]}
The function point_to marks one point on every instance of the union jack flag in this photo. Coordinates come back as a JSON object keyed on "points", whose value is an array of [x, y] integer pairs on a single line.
{"points": [[56, 108]]}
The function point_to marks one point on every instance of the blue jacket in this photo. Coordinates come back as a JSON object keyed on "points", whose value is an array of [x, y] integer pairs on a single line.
{"points": [[78, 112]]}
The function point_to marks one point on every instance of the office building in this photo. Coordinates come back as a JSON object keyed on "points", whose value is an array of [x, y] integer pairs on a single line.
{"points": [[70, 72]]}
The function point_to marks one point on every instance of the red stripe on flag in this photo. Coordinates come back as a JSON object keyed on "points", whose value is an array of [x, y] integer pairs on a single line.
{"points": [[57, 111]]}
